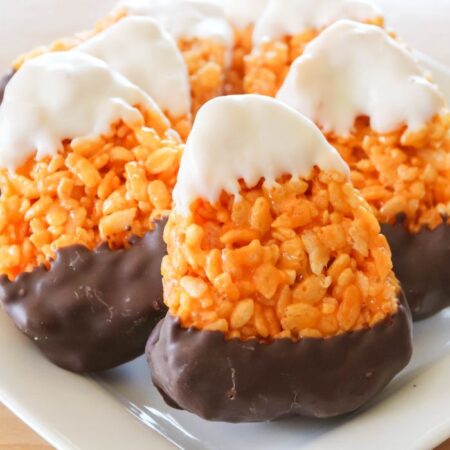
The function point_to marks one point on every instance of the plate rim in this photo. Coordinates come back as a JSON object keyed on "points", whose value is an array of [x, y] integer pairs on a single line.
{"points": [[24, 388]]}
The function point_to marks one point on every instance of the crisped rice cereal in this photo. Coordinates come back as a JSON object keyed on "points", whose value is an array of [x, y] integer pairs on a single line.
{"points": [[304, 258], [401, 172], [102, 190]]}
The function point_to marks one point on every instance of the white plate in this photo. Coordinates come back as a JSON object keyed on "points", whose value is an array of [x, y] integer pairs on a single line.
{"points": [[119, 409]]}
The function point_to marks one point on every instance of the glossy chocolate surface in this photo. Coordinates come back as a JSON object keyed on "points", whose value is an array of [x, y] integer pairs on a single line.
{"points": [[422, 264], [93, 310], [236, 381]]}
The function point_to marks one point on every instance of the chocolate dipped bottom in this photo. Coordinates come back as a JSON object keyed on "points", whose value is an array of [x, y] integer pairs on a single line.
{"points": [[247, 381], [3, 82], [92, 310], [422, 264]]}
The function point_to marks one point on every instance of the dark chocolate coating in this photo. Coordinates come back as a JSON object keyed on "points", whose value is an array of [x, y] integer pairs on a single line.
{"points": [[422, 264], [236, 381], [3, 82], [92, 310]]}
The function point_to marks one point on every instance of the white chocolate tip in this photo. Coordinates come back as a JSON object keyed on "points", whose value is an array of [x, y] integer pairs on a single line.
{"points": [[185, 19], [290, 17], [352, 70], [248, 137], [139, 49], [59, 96]]}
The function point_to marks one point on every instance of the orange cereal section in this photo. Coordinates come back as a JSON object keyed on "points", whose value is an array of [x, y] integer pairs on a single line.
{"points": [[267, 66], [303, 258], [400, 172], [105, 189], [206, 61], [242, 48]]}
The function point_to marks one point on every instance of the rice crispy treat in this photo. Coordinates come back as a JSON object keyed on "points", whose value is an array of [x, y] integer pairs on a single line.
{"points": [[404, 176], [94, 190], [102, 190], [401, 172], [243, 16], [396, 140], [101, 42], [396, 145], [276, 271], [283, 31], [301, 258], [207, 58], [88, 162], [207, 63]]}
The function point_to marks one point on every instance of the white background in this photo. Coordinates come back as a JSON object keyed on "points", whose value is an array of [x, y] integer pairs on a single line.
{"points": [[424, 24]]}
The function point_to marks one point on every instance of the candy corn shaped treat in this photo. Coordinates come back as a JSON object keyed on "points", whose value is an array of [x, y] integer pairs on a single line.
{"points": [[283, 30], [88, 163], [281, 295], [392, 126], [203, 34], [142, 51]]}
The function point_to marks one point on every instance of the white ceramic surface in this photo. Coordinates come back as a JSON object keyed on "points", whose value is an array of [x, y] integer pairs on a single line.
{"points": [[119, 409]]}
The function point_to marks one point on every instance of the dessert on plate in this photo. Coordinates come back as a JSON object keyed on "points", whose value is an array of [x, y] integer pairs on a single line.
{"points": [[285, 27], [391, 125], [279, 284], [88, 162]]}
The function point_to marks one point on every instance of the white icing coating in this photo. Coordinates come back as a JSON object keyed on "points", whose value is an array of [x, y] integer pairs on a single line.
{"points": [[291, 17], [242, 13], [248, 137], [63, 95], [354, 70], [185, 19], [139, 49]]}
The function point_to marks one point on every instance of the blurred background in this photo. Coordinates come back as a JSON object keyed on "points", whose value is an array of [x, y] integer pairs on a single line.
{"points": [[424, 24]]}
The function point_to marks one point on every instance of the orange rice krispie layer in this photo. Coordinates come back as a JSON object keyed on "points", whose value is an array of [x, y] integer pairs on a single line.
{"points": [[401, 172], [102, 190], [267, 66], [206, 62], [304, 258], [242, 48]]}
